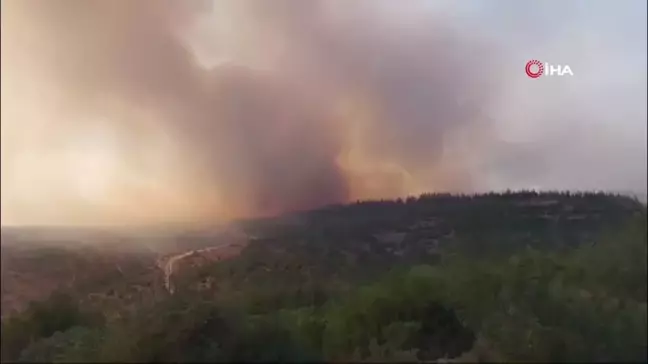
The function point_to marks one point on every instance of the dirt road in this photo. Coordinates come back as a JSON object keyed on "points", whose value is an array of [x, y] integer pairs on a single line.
{"points": [[227, 250]]}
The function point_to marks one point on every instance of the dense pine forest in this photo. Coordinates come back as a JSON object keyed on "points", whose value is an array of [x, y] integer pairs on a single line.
{"points": [[514, 276]]}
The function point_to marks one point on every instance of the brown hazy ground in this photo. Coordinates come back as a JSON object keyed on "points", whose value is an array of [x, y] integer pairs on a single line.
{"points": [[31, 273], [113, 274]]}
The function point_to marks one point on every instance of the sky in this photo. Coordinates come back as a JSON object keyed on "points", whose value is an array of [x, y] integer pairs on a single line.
{"points": [[162, 111]]}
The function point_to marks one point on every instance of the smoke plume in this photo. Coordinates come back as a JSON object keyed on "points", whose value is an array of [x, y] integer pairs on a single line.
{"points": [[156, 110]]}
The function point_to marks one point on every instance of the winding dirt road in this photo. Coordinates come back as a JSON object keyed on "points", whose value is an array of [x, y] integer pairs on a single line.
{"points": [[169, 264]]}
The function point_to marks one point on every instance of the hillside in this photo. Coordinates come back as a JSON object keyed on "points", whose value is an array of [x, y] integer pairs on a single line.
{"points": [[114, 270], [501, 276]]}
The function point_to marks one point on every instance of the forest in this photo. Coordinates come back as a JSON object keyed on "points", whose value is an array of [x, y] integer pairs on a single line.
{"points": [[512, 276]]}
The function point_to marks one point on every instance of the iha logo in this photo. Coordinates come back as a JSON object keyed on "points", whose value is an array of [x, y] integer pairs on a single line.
{"points": [[535, 69]]}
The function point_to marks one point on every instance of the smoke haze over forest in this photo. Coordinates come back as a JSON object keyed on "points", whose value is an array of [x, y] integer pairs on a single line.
{"points": [[137, 112]]}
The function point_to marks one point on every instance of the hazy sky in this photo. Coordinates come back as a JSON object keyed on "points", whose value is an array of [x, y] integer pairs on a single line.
{"points": [[152, 111]]}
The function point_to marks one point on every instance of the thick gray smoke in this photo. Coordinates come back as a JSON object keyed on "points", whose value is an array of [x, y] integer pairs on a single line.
{"points": [[275, 105]]}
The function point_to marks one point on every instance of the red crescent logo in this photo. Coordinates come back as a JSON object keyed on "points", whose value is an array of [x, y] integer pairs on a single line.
{"points": [[538, 73]]}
